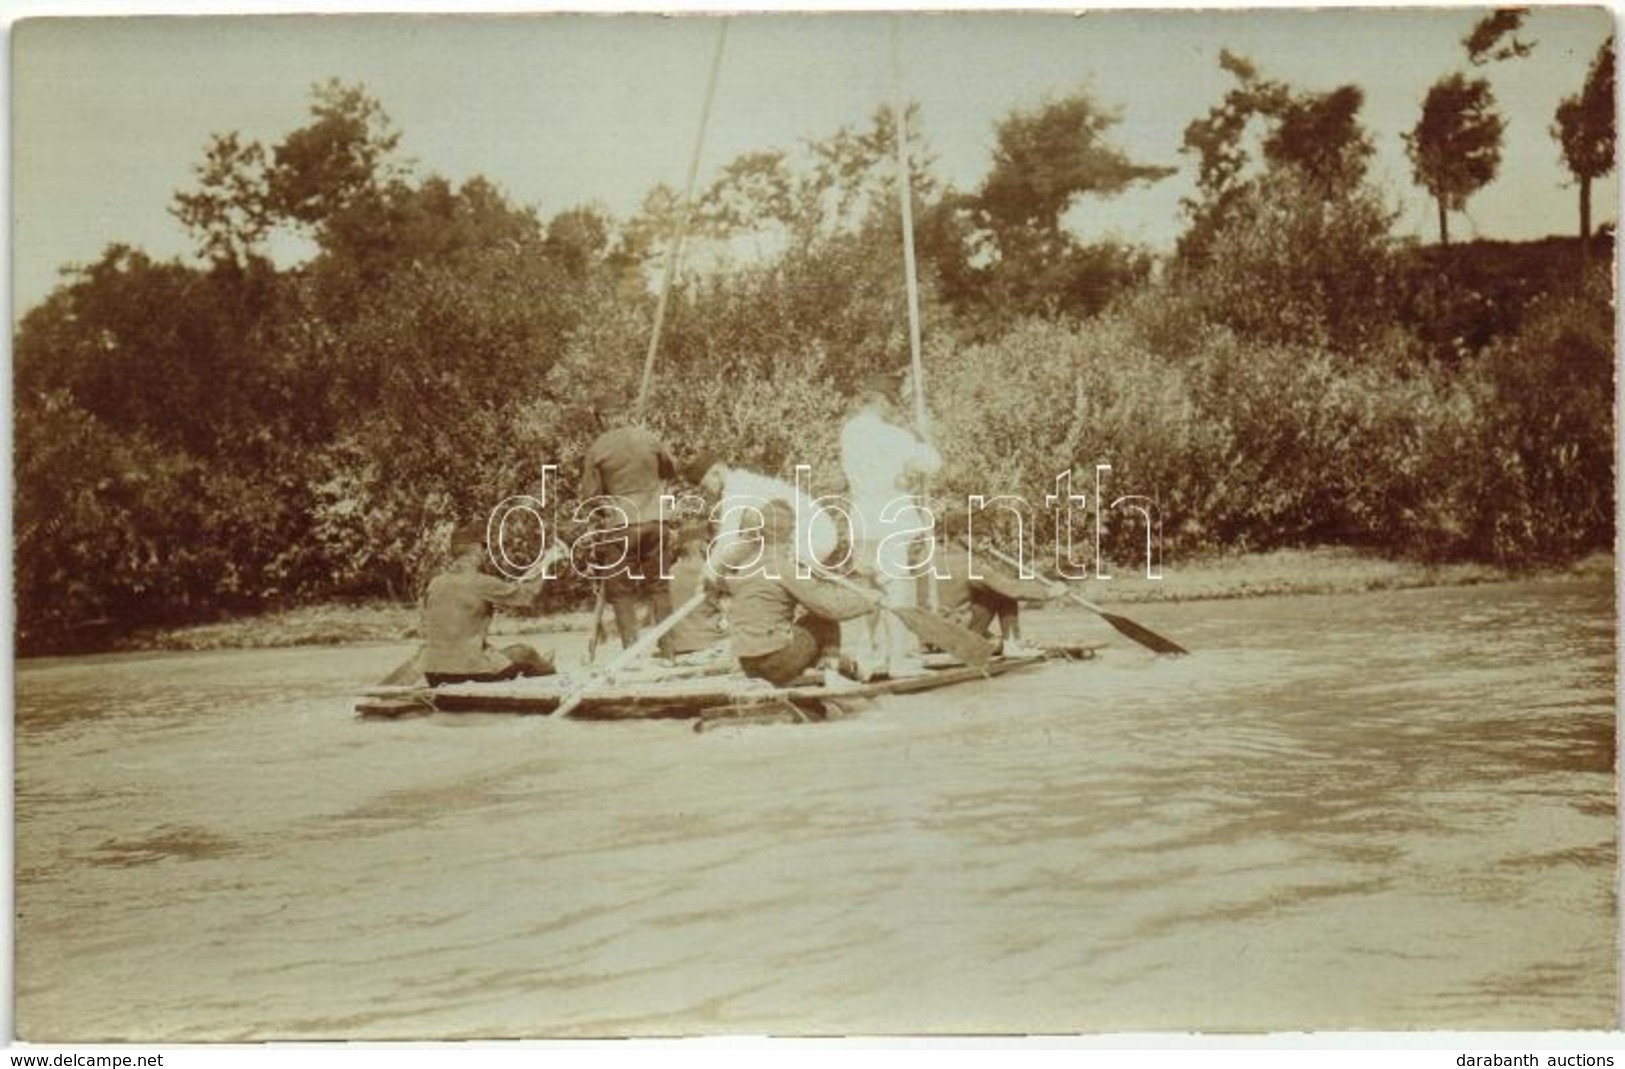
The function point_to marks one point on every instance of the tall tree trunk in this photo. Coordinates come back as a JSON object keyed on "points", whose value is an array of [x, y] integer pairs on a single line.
{"points": [[1444, 225], [1585, 213]]}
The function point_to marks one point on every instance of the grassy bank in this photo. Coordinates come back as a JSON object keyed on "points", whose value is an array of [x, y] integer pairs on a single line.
{"points": [[1327, 570], [1280, 573]]}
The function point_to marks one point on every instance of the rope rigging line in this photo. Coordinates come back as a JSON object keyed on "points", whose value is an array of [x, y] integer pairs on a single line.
{"points": [[674, 250], [673, 253]]}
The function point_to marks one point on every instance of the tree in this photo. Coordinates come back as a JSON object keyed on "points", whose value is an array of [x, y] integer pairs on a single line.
{"points": [[1316, 136], [1217, 139], [1585, 129], [1045, 160], [1319, 136], [145, 346], [578, 240], [1293, 266], [835, 187], [1296, 245], [1455, 148], [754, 191], [338, 166], [407, 226], [228, 214], [1485, 43], [321, 424], [343, 156]]}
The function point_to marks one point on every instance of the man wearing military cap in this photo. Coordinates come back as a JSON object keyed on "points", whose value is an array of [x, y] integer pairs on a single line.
{"points": [[457, 611]]}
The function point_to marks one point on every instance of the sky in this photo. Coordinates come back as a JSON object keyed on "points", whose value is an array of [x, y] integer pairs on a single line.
{"points": [[110, 114]]}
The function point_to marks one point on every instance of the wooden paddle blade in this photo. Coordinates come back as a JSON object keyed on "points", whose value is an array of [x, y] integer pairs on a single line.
{"points": [[1141, 634], [406, 672], [933, 630]]}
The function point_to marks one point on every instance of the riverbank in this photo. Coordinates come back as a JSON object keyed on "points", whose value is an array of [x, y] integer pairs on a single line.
{"points": [[1324, 570], [1327, 570]]}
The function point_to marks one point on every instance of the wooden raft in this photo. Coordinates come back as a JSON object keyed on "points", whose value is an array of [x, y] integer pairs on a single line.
{"points": [[704, 694]]}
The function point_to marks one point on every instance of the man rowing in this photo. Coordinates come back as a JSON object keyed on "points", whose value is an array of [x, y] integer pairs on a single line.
{"points": [[457, 609], [980, 589], [780, 624]]}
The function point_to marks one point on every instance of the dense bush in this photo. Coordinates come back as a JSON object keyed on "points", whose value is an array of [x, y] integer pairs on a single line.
{"points": [[1547, 442], [1248, 444], [1293, 266], [192, 440], [447, 392], [113, 529], [1049, 399], [1457, 299]]}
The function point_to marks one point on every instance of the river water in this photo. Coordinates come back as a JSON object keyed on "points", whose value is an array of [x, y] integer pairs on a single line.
{"points": [[1385, 811]]}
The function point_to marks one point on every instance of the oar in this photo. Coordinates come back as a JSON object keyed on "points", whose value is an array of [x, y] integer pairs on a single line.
{"points": [[408, 669], [597, 623], [1128, 628], [932, 629], [643, 645]]}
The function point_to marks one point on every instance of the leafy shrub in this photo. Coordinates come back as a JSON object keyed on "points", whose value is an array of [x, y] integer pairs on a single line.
{"points": [[113, 530], [1458, 299], [1548, 433], [1292, 266], [1046, 399], [1245, 444]]}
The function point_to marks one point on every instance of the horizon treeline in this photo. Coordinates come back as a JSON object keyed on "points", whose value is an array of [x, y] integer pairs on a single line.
{"points": [[193, 440]]}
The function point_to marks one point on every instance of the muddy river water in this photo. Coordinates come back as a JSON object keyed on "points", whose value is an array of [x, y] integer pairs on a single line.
{"points": [[1383, 811]]}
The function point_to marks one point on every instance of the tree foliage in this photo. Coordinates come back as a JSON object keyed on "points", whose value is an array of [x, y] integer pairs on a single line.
{"points": [[229, 213], [1584, 128], [1495, 37], [1296, 244], [340, 162], [835, 185], [1294, 266], [1218, 139], [1046, 160], [342, 158], [321, 423], [1316, 135], [1319, 136], [1455, 147]]}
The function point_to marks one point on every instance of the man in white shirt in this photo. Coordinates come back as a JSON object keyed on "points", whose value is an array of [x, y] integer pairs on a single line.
{"points": [[738, 492], [883, 461]]}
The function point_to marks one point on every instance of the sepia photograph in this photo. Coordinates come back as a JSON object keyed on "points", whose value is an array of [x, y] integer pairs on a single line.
{"points": [[969, 523]]}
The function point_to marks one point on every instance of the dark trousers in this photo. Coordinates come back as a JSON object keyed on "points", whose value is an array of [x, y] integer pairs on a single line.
{"points": [[985, 605], [523, 661], [810, 637], [650, 553]]}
